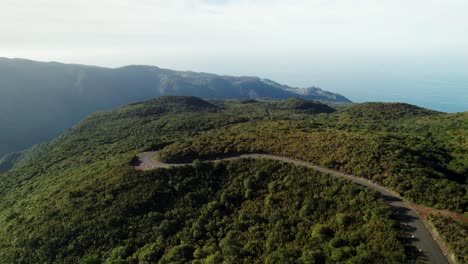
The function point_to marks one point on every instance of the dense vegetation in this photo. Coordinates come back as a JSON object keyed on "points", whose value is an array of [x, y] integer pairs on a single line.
{"points": [[455, 235], [35, 195], [447, 131], [16, 159], [38, 100], [423, 159], [244, 211], [78, 199]]}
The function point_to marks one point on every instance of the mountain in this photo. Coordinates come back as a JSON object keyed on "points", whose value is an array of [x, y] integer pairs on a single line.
{"points": [[80, 201], [39, 100]]}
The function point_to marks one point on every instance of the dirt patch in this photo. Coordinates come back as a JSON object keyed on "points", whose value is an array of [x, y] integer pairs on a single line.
{"points": [[425, 211]]}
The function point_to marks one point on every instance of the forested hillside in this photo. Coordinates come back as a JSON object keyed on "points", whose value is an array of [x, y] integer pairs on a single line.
{"points": [[240, 212], [39, 101], [38, 194], [78, 199], [419, 153], [455, 233]]}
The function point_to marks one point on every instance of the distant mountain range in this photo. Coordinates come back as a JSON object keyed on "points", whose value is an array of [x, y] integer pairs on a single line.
{"points": [[39, 100]]}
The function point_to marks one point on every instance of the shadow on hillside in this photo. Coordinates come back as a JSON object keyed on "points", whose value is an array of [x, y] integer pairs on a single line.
{"points": [[135, 162]]}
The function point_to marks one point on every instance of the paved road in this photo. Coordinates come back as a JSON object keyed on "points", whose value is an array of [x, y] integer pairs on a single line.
{"points": [[409, 219]]}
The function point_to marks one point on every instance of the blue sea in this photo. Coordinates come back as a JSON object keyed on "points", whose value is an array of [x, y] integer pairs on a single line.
{"points": [[438, 82], [433, 82], [442, 94]]}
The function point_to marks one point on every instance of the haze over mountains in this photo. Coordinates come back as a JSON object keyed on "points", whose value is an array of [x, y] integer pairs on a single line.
{"points": [[38, 100]]}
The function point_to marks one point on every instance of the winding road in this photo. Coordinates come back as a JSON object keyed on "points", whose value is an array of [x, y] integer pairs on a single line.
{"points": [[409, 219]]}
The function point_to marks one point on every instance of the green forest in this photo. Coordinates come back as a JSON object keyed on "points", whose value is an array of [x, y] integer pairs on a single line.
{"points": [[455, 233], [78, 199], [241, 212], [427, 167]]}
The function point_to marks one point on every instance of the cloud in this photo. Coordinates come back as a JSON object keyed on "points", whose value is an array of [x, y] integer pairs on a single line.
{"points": [[226, 26]]}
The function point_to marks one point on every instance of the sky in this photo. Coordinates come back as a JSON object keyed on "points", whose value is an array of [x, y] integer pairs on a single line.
{"points": [[335, 44]]}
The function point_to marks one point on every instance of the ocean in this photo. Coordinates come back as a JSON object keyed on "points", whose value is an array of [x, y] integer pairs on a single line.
{"points": [[432, 81]]}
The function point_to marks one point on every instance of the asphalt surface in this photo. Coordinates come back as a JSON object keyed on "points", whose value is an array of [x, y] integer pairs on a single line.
{"points": [[430, 251]]}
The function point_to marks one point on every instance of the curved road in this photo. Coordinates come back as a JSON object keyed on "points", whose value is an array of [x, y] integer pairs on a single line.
{"points": [[430, 251]]}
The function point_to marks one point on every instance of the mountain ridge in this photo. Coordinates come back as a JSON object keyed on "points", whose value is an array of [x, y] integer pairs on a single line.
{"points": [[304, 92], [40, 100]]}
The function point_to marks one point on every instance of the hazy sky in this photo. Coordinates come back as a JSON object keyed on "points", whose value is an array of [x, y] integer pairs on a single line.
{"points": [[299, 42], [95, 31]]}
